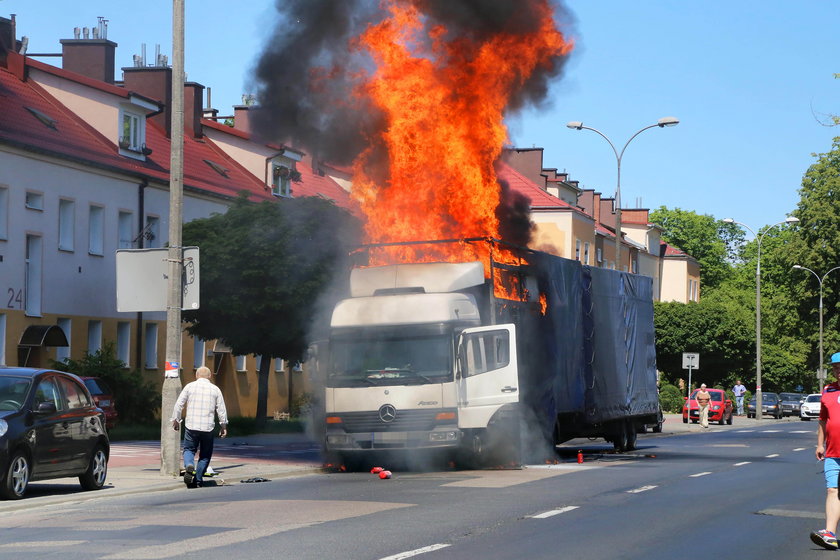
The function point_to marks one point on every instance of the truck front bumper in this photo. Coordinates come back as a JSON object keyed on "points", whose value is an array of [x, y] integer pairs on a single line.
{"points": [[443, 436]]}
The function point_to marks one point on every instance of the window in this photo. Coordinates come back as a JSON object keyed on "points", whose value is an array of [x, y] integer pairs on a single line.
{"points": [[94, 336], [47, 392], [125, 230], [66, 224], [599, 255], [63, 352], [34, 200], [278, 364], [486, 351], [240, 363], [96, 231], [32, 276], [198, 352], [577, 249], [76, 396], [258, 360], [281, 182], [4, 213], [586, 253], [151, 233], [151, 345], [124, 342], [132, 131]]}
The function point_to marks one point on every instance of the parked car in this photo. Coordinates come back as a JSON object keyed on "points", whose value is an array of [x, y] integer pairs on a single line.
{"points": [[791, 403], [103, 396], [811, 407], [770, 404], [720, 408], [50, 427]]}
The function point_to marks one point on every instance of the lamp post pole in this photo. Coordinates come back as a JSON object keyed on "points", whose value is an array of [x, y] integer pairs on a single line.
{"points": [[821, 370], [758, 238], [661, 123]]}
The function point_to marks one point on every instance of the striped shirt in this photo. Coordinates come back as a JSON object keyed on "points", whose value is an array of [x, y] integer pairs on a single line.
{"points": [[202, 399]]}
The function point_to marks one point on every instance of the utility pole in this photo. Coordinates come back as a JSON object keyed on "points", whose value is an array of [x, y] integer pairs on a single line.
{"points": [[170, 439]]}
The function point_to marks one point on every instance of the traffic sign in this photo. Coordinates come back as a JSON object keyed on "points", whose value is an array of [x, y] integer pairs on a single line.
{"points": [[690, 360]]}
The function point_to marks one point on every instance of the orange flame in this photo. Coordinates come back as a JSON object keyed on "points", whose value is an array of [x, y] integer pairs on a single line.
{"points": [[444, 101]]}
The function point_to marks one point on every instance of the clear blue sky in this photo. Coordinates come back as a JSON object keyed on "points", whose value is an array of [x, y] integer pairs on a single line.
{"points": [[748, 80]]}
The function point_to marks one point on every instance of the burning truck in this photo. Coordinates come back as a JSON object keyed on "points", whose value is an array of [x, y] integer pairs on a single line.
{"points": [[489, 363]]}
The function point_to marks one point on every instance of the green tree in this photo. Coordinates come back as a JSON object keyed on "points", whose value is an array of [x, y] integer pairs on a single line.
{"points": [[712, 242], [718, 327], [264, 270], [137, 400]]}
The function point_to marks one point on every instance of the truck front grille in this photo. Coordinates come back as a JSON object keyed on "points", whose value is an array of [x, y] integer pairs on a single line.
{"points": [[405, 421]]}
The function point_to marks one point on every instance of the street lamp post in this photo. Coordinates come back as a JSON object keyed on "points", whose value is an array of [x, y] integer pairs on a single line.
{"points": [[758, 238], [661, 123], [821, 370]]}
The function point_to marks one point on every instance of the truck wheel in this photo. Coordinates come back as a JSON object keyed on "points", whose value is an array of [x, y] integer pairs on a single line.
{"points": [[620, 437], [631, 436]]}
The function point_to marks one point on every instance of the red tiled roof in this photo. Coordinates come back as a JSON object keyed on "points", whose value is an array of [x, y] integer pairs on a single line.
{"points": [[666, 250], [313, 184], [71, 138], [538, 197]]}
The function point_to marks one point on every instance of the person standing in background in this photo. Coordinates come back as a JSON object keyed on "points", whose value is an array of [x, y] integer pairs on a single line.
{"points": [[739, 390]]}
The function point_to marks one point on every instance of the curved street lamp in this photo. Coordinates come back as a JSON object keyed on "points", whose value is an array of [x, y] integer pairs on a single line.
{"points": [[758, 238], [661, 123], [821, 371]]}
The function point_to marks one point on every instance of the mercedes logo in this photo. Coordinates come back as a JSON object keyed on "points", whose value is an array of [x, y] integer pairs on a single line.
{"points": [[387, 413]]}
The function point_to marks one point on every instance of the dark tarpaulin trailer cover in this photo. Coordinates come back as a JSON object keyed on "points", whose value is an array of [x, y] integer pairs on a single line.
{"points": [[591, 357]]}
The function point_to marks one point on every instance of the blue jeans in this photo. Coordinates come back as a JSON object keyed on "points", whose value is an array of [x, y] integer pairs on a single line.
{"points": [[202, 442], [740, 402]]}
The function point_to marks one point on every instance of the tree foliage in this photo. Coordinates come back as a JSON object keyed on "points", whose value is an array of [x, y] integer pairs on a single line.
{"points": [[712, 242], [264, 270], [137, 399]]}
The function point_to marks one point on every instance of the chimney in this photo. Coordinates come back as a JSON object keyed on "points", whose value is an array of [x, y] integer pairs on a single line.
{"points": [[154, 82], [241, 118], [90, 56], [193, 111]]}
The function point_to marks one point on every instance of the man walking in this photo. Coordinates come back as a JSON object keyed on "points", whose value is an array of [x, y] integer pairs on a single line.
{"points": [[703, 398], [828, 451], [203, 400], [739, 391]]}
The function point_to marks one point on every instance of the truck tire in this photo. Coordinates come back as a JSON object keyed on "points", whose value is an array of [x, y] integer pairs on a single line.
{"points": [[631, 436], [619, 436]]}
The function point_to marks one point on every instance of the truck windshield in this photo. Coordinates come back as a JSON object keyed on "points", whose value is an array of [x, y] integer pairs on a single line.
{"points": [[389, 359]]}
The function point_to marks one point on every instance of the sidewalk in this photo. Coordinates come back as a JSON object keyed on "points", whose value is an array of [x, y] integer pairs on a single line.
{"points": [[134, 467]]}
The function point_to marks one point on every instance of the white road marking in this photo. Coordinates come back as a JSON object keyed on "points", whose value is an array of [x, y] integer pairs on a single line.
{"points": [[410, 553], [641, 489], [800, 449], [772, 455], [699, 474], [742, 463], [802, 432], [745, 431], [553, 512], [770, 431]]}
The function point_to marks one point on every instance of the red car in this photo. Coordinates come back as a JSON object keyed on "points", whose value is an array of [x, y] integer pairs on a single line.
{"points": [[720, 409], [103, 396]]}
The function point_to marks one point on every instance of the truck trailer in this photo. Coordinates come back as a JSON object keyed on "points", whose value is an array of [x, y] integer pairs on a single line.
{"points": [[489, 363]]}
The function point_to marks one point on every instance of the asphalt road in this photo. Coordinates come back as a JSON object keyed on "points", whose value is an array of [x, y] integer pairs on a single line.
{"points": [[752, 490]]}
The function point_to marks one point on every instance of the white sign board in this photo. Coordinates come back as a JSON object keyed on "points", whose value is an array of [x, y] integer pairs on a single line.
{"points": [[691, 360], [143, 277]]}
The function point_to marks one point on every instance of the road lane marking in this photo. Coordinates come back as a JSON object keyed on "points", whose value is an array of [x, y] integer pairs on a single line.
{"points": [[699, 474], [553, 512], [742, 463], [410, 553], [745, 431], [802, 431], [800, 449], [771, 455], [641, 489], [770, 431]]}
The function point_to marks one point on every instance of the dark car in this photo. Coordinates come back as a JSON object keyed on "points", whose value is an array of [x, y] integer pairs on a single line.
{"points": [[50, 427], [791, 403], [103, 397], [770, 404]]}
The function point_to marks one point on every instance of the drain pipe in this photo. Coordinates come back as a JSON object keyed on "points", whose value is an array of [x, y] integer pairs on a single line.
{"points": [[141, 212]]}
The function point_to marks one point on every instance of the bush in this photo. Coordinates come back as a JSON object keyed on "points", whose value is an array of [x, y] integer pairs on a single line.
{"points": [[671, 399], [137, 400]]}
